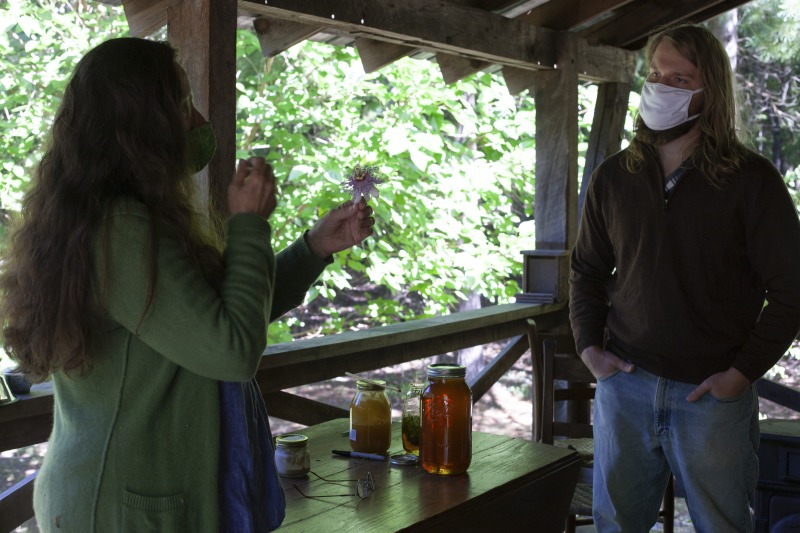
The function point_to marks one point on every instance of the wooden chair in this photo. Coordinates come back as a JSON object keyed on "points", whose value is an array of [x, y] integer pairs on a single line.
{"points": [[564, 378]]}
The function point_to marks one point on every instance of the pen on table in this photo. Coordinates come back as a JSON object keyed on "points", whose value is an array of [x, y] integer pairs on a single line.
{"points": [[362, 455]]}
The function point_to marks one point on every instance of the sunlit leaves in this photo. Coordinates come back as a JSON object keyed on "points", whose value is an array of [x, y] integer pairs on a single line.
{"points": [[459, 161], [40, 42]]}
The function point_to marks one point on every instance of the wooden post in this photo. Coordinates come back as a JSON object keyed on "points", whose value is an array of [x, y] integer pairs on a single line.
{"points": [[605, 137], [204, 31], [556, 202]]}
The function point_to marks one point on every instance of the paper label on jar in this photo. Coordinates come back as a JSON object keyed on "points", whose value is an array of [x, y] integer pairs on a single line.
{"points": [[353, 434]]}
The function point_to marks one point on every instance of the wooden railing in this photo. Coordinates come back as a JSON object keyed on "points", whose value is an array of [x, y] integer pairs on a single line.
{"points": [[302, 362], [779, 394]]}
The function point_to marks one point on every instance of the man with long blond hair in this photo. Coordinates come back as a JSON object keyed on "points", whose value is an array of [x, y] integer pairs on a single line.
{"points": [[685, 235]]}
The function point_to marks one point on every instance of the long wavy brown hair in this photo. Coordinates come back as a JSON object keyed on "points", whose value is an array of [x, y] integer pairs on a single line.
{"points": [[721, 150], [120, 132]]}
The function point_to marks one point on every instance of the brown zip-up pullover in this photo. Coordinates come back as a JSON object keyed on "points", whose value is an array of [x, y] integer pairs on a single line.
{"points": [[677, 287]]}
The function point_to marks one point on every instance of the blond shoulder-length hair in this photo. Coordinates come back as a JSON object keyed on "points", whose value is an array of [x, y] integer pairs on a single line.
{"points": [[720, 150]]}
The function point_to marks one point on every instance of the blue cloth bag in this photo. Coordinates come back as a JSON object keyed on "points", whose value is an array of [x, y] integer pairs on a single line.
{"points": [[251, 496]]}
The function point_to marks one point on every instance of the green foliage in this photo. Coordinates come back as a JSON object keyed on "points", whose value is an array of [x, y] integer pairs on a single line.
{"points": [[769, 57], [40, 42], [770, 27], [460, 162], [792, 179]]}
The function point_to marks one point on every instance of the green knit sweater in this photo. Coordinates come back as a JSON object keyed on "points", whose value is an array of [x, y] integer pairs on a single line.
{"points": [[135, 443]]}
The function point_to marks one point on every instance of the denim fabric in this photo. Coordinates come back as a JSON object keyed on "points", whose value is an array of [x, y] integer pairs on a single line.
{"points": [[644, 428], [251, 496]]}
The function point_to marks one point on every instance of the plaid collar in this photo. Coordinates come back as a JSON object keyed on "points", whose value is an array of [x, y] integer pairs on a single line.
{"points": [[671, 181]]}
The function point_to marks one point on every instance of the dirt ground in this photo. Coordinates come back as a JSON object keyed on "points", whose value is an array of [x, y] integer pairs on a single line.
{"points": [[506, 409]]}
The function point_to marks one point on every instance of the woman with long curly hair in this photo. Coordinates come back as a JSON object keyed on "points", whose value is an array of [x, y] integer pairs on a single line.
{"points": [[151, 325]]}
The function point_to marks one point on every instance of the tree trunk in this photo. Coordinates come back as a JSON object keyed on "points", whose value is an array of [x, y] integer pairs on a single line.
{"points": [[724, 26]]}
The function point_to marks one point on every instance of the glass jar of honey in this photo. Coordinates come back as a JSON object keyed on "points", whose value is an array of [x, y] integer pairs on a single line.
{"points": [[445, 440], [411, 418], [370, 418]]}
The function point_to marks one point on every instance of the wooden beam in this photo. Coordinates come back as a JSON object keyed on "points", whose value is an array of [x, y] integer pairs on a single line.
{"points": [[278, 35], [498, 366], [281, 377], [377, 54], [556, 204], [608, 64], [404, 333], [605, 137], [600, 63], [518, 80], [445, 28], [567, 14], [205, 33], [498, 6], [780, 394], [455, 68], [29, 420], [438, 26], [635, 21], [308, 361], [301, 410], [146, 16], [608, 123], [699, 16], [509, 8], [16, 504]]}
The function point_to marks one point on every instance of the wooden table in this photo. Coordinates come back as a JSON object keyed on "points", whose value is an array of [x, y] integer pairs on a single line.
{"points": [[511, 485]]}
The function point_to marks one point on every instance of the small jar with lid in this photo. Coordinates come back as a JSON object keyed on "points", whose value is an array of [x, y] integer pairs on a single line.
{"points": [[411, 418], [370, 418], [292, 458], [445, 441]]}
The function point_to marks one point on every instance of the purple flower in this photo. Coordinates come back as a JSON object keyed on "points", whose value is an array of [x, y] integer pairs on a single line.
{"points": [[362, 182]]}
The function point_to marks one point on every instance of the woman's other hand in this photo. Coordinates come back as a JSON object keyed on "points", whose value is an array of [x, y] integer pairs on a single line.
{"points": [[338, 230], [252, 189]]}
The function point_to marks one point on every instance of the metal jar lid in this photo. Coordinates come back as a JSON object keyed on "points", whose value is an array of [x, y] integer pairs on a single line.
{"points": [[446, 370], [373, 384], [404, 459], [291, 440]]}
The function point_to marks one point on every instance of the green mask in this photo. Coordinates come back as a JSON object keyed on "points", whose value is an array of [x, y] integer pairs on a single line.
{"points": [[201, 145]]}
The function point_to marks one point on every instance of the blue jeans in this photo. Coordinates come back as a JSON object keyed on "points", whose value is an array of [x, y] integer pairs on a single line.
{"points": [[644, 428]]}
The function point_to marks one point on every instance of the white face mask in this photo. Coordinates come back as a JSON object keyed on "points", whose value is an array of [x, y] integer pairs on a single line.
{"points": [[663, 107]]}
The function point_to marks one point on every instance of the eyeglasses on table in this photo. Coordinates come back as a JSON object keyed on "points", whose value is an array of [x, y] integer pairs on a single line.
{"points": [[363, 487]]}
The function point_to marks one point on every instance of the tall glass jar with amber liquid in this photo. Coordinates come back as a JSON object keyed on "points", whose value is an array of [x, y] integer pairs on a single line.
{"points": [[445, 440], [370, 418]]}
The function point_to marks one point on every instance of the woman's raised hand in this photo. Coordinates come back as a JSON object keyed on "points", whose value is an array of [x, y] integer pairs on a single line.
{"points": [[252, 189], [340, 229]]}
